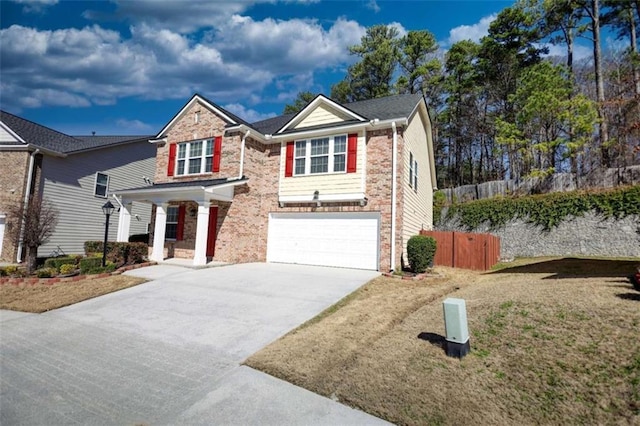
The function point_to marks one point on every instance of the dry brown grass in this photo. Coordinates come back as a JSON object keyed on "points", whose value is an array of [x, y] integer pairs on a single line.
{"points": [[39, 298], [556, 342]]}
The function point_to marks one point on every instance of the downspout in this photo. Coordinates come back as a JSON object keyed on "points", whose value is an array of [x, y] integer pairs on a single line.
{"points": [[394, 166], [27, 195], [244, 138]]}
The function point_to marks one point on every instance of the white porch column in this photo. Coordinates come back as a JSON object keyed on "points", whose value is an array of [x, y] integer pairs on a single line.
{"points": [[159, 229], [124, 223], [202, 231]]}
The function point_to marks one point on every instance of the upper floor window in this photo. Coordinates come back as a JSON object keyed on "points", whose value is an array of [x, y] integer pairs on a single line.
{"points": [[102, 185], [413, 172], [195, 157], [322, 155]]}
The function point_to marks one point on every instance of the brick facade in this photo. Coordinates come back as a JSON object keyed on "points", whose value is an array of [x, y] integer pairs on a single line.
{"points": [[242, 225], [13, 182]]}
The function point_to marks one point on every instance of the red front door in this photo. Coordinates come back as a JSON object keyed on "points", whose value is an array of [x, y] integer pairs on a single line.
{"points": [[211, 236]]}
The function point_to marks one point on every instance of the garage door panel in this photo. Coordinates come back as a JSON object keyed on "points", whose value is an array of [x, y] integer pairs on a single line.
{"points": [[349, 240]]}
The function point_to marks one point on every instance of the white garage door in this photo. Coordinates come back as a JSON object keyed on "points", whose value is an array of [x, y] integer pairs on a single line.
{"points": [[348, 240]]}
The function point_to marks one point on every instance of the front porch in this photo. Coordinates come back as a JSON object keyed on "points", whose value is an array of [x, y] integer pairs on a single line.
{"points": [[186, 220]]}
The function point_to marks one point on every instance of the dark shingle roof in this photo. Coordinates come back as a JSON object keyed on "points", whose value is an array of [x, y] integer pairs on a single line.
{"points": [[38, 135], [92, 142], [396, 106], [272, 125], [52, 140]]}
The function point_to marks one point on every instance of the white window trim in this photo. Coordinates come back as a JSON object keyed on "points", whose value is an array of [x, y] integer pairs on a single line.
{"points": [[203, 157], [410, 169], [331, 154], [415, 175], [95, 185], [171, 223]]}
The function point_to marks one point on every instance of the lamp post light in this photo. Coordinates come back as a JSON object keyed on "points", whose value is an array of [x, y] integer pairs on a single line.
{"points": [[107, 209]]}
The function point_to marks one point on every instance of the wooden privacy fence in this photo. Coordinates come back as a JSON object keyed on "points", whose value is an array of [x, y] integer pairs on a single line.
{"points": [[465, 250]]}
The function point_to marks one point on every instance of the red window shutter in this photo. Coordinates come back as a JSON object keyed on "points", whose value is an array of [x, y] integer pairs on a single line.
{"points": [[352, 153], [288, 166], [172, 159], [180, 230], [217, 150]]}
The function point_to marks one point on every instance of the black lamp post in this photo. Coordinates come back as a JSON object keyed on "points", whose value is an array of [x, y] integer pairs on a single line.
{"points": [[107, 209]]}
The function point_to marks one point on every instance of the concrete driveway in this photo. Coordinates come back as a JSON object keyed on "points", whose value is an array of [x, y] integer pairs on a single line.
{"points": [[169, 351]]}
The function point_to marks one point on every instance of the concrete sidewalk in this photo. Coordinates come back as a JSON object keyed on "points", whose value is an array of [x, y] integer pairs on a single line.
{"points": [[169, 351]]}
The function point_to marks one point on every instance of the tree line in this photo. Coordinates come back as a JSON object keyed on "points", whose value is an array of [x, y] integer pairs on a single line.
{"points": [[503, 107]]}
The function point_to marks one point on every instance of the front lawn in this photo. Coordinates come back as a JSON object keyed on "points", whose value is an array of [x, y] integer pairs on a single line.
{"points": [[553, 342], [44, 297]]}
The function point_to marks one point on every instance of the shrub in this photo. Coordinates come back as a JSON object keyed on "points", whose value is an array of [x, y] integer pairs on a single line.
{"points": [[12, 270], [67, 268], [420, 252], [119, 253], [3, 272], [139, 238], [57, 262], [109, 267], [46, 272], [89, 263]]}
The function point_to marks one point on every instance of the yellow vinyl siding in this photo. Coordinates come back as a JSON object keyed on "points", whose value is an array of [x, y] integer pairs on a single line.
{"points": [[417, 209], [320, 115], [330, 183]]}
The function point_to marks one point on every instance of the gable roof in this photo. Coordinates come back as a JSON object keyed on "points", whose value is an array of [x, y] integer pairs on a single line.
{"points": [[317, 102], [37, 135], [87, 143], [42, 137], [227, 116], [387, 108]]}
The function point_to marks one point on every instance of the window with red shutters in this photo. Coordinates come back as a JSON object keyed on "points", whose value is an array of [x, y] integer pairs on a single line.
{"points": [[172, 159], [352, 153], [288, 168], [217, 152]]}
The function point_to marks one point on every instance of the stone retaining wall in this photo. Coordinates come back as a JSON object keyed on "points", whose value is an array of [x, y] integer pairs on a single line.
{"points": [[590, 235]]}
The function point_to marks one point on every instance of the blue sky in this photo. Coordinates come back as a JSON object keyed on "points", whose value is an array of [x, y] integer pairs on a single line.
{"points": [[126, 67]]}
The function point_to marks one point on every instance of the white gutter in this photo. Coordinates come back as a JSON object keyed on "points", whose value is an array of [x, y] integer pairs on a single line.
{"points": [[244, 138], [394, 166], [27, 195], [115, 197]]}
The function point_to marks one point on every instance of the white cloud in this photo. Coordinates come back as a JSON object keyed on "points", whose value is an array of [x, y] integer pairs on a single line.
{"points": [[246, 114], [233, 62], [35, 6], [373, 5], [133, 126], [579, 52], [471, 32]]}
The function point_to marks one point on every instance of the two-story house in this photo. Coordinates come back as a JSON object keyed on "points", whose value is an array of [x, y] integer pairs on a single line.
{"points": [[75, 175], [335, 184]]}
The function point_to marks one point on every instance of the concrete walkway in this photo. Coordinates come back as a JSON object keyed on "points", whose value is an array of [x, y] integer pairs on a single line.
{"points": [[169, 351]]}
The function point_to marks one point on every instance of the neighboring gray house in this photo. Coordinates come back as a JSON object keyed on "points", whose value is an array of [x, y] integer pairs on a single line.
{"points": [[77, 175]]}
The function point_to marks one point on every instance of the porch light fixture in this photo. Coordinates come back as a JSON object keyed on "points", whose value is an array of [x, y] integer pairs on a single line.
{"points": [[107, 209]]}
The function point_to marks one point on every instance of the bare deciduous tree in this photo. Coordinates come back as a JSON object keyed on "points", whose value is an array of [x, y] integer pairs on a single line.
{"points": [[33, 225]]}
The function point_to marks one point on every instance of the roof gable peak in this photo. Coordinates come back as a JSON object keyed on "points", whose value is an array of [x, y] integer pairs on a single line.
{"points": [[225, 115], [339, 112]]}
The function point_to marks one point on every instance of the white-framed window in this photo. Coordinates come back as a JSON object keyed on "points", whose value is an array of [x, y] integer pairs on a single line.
{"points": [[320, 155], [171, 229], [102, 185], [413, 172], [195, 157]]}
